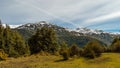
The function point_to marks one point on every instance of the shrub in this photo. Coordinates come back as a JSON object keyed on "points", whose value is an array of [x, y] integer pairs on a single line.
{"points": [[74, 50], [93, 49], [65, 55], [115, 46], [89, 54], [81, 52], [64, 51]]}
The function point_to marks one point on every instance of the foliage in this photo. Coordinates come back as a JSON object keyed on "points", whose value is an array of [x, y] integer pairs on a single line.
{"points": [[74, 50], [65, 55], [43, 40], [12, 43], [115, 46], [64, 51], [93, 49]]}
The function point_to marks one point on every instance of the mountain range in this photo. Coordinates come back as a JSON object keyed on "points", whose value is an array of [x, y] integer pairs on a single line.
{"points": [[79, 36]]}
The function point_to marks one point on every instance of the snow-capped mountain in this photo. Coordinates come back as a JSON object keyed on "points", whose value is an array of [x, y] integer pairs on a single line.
{"points": [[79, 36], [14, 26], [11, 26], [68, 34], [90, 31], [44, 23], [34, 25], [63, 34]]}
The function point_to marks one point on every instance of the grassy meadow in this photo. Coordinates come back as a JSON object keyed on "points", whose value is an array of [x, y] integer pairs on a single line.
{"points": [[107, 60]]}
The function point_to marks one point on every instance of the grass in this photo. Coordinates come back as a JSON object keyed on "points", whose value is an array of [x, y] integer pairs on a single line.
{"points": [[107, 60]]}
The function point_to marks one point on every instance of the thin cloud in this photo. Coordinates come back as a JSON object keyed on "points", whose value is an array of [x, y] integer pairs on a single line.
{"points": [[104, 17], [45, 11]]}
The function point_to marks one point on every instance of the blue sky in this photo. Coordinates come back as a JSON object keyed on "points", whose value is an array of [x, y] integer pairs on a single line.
{"points": [[94, 14]]}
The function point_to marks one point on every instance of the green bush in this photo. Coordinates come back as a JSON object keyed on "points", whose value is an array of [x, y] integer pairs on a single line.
{"points": [[64, 51], [93, 49], [65, 55], [81, 52], [74, 50], [115, 46]]}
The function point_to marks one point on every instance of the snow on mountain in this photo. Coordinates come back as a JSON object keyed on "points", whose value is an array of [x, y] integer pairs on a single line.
{"points": [[100, 35], [11, 26], [44, 23], [115, 33], [91, 31], [14, 26], [34, 25], [88, 31]]}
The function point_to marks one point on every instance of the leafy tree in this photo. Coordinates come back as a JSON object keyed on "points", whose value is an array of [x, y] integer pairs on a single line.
{"points": [[63, 46], [74, 50], [115, 46], [64, 51], [93, 49], [43, 40]]}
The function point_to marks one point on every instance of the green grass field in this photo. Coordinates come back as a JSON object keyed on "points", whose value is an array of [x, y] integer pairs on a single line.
{"points": [[107, 60]]}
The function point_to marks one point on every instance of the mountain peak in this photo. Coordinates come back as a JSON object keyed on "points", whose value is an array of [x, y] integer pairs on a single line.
{"points": [[43, 22], [34, 25]]}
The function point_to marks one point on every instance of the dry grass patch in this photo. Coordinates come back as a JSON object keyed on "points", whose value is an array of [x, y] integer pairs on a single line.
{"points": [[107, 60]]}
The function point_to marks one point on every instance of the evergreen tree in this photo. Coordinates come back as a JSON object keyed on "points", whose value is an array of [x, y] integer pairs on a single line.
{"points": [[12, 43], [43, 40]]}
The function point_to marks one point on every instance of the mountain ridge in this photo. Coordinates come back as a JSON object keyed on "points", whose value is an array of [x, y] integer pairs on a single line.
{"points": [[81, 30], [80, 36]]}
